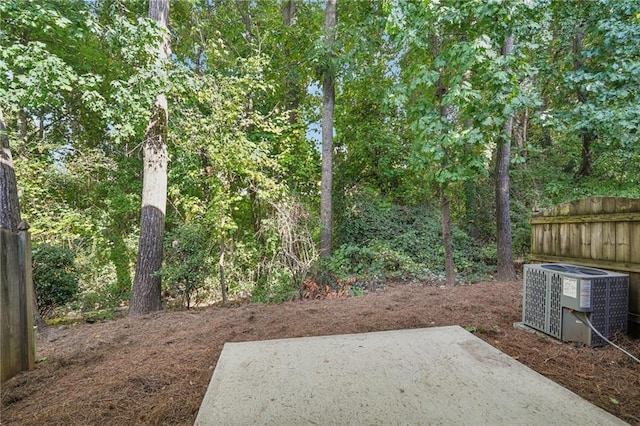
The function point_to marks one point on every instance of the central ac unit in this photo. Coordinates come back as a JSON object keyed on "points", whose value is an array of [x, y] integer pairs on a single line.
{"points": [[559, 299]]}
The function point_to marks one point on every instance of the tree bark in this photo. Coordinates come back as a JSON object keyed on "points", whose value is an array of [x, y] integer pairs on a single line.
{"points": [[292, 89], [449, 114], [9, 201], [587, 156], [328, 102], [586, 135], [506, 270], [246, 19], [248, 36], [223, 282], [146, 293], [449, 267]]}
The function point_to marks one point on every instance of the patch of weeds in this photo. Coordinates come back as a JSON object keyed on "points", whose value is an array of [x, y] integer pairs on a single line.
{"points": [[482, 330], [62, 321], [356, 291]]}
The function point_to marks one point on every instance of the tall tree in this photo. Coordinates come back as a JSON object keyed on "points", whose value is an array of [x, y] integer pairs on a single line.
{"points": [[9, 203], [506, 270], [146, 292], [459, 94], [328, 104], [591, 74]]}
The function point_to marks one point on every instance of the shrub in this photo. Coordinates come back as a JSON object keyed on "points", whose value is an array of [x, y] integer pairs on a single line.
{"points": [[54, 277], [187, 261], [280, 288]]}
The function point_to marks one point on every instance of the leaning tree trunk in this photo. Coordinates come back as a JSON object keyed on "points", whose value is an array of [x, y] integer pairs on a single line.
{"points": [[506, 270], [146, 294], [9, 202], [328, 102]]}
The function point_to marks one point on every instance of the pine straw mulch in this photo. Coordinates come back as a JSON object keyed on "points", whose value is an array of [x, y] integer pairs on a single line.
{"points": [[155, 369]]}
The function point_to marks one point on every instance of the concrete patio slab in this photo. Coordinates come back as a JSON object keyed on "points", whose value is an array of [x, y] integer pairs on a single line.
{"points": [[434, 376]]}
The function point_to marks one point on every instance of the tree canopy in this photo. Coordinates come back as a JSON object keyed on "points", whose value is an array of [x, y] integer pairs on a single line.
{"points": [[425, 96]]}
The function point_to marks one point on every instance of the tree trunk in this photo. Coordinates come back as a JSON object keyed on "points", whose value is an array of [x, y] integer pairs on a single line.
{"points": [[292, 89], [585, 163], [546, 140], [586, 135], [248, 37], [223, 282], [246, 19], [450, 115], [146, 293], [506, 270], [446, 239], [9, 202], [328, 101]]}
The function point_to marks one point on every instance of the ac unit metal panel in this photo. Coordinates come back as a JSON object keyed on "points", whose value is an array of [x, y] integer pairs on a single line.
{"points": [[557, 296]]}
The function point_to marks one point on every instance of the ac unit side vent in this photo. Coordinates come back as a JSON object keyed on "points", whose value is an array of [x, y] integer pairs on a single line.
{"points": [[555, 308], [535, 299]]}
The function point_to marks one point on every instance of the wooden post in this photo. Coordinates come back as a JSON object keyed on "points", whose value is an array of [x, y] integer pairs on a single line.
{"points": [[27, 344], [17, 351]]}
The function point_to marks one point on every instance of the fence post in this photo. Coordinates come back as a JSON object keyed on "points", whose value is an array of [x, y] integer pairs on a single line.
{"points": [[17, 351], [27, 344]]}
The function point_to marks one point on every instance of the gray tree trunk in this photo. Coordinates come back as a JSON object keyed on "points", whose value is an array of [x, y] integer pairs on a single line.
{"points": [[146, 294], [9, 202], [506, 270], [449, 267], [328, 103]]}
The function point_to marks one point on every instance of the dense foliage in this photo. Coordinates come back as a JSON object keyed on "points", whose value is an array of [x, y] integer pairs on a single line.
{"points": [[380, 239], [422, 95], [54, 277]]}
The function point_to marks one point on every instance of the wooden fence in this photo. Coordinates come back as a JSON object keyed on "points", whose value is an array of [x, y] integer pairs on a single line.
{"points": [[602, 232], [17, 343]]}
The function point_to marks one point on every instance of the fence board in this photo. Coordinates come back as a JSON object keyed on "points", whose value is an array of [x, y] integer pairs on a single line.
{"points": [[634, 242], [574, 240], [609, 205], [622, 242], [596, 238], [596, 205], [585, 241], [608, 241], [565, 239]]}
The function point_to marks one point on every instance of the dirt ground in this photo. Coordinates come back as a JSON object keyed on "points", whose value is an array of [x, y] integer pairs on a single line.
{"points": [[155, 369]]}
